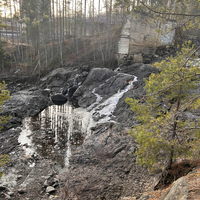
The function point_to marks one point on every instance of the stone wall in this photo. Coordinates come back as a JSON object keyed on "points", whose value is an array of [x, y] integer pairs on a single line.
{"points": [[138, 37]]}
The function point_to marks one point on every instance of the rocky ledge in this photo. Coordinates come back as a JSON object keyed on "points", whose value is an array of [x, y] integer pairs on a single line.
{"points": [[104, 166]]}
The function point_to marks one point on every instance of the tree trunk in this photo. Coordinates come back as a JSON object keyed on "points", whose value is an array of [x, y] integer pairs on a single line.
{"points": [[18, 48], [11, 17], [99, 33], [57, 24], [60, 17], [63, 22], [52, 31], [85, 18], [6, 23]]}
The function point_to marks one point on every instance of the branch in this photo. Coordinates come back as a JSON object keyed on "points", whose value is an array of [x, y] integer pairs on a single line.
{"points": [[171, 85], [188, 128], [168, 13], [190, 57], [180, 25], [192, 100]]}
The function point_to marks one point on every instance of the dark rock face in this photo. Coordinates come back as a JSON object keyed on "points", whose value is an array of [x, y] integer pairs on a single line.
{"points": [[23, 104], [123, 113], [9, 140], [65, 81], [64, 78], [57, 78], [105, 83], [104, 168], [140, 70]]}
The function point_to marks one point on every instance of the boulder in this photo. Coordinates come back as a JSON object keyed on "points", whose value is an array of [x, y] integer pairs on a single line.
{"points": [[23, 104], [179, 191], [64, 78]]}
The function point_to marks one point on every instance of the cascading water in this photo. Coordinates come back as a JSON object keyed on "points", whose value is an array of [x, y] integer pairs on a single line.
{"points": [[102, 112], [58, 130]]}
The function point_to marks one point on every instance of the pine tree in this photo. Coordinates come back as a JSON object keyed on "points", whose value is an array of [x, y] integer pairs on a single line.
{"points": [[164, 133]]}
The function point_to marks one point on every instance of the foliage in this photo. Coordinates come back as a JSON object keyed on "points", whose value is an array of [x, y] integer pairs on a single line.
{"points": [[4, 57], [164, 133], [4, 95], [3, 160], [167, 7], [185, 12]]}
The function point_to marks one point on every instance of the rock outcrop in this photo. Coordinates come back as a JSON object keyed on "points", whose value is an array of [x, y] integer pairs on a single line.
{"points": [[102, 81], [23, 104], [179, 191], [104, 167]]}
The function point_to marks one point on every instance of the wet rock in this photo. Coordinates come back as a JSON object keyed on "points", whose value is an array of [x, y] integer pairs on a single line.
{"points": [[104, 82], [108, 151], [56, 78], [71, 91], [24, 104], [50, 189], [123, 113], [64, 78], [42, 169]]}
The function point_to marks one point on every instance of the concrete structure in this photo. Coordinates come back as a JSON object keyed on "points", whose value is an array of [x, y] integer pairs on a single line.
{"points": [[139, 37]]}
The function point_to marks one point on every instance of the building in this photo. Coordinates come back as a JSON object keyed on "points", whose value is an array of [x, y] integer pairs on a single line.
{"points": [[139, 37]]}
